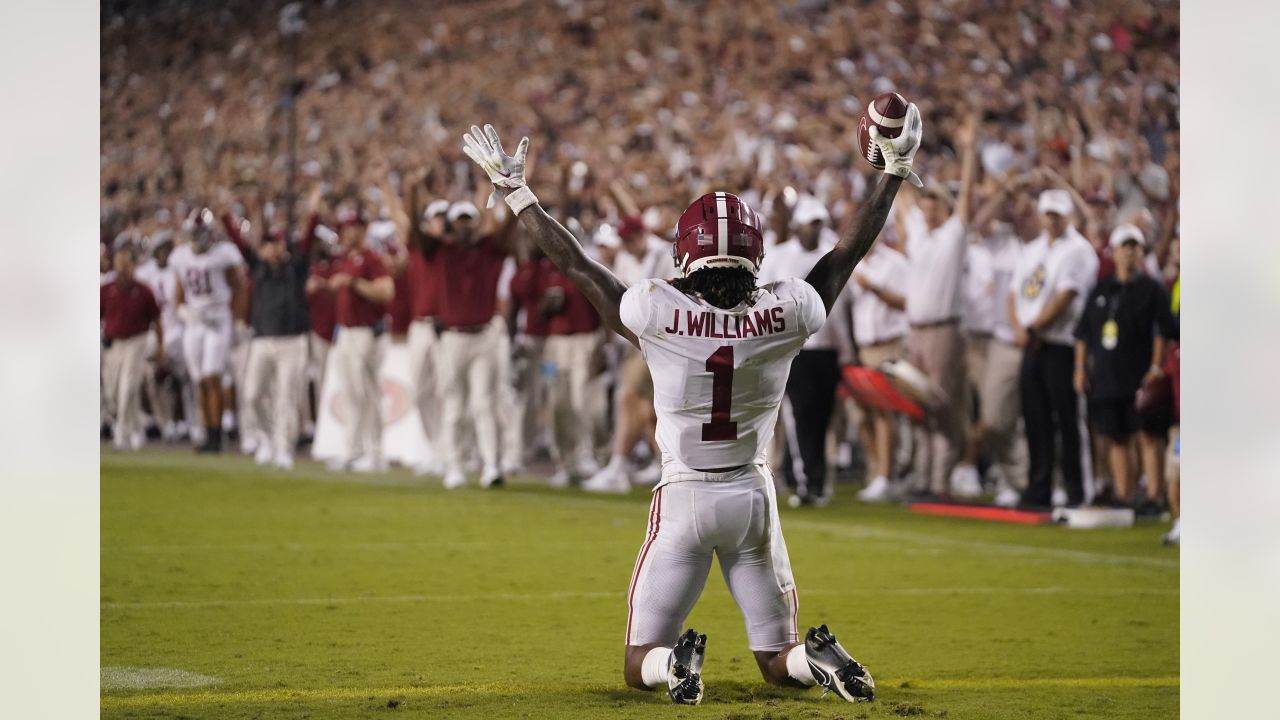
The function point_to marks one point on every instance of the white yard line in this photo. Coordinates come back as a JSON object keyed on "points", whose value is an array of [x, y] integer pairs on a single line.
{"points": [[588, 595]]}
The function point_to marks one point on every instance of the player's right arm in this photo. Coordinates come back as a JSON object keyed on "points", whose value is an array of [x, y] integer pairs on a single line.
{"points": [[596, 282], [832, 272]]}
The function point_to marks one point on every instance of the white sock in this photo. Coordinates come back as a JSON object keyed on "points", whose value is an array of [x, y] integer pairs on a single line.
{"points": [[653, 671], [798, 666]]}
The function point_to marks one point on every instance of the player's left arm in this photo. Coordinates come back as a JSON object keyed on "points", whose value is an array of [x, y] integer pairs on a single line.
{"points": [[596, 282], [832, 272]]}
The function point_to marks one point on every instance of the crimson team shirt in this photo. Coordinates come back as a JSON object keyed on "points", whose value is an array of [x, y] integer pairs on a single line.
{"points": [[526, 288], [321, 304], [126, 309], [469, 275], [424, 283], [578, 315], [352, 309]]}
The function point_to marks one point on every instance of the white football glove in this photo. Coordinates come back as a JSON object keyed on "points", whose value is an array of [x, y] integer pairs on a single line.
{"points": [[504, 170], [899, 152]]}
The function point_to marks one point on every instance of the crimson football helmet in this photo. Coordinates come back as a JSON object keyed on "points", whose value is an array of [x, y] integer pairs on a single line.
{"points": [[718, 231]]}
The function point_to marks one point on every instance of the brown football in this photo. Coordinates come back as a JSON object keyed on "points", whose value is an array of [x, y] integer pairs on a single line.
{"points": [[887, 112]]}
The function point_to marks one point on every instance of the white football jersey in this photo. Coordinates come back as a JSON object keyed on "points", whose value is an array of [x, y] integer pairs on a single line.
{"points": [[719, 375], [204, 275], [163, 282]]}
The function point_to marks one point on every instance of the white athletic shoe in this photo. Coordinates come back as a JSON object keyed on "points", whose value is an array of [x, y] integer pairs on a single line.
{"points": [[454, 480], [338, 464], [369, 463], [1007, 497], [263, 454], [587, 467], [491, 478], [1174, 536], [876, 491], [612, 479], [965, 481], [283, 461], [833, 668], [1059, 498], [559, 480]]}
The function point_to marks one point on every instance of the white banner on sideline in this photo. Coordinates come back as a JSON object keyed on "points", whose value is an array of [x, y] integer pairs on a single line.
{"points": [[403, 440]]}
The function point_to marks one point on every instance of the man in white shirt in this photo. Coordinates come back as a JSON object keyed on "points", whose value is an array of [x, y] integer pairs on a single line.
{"points": [[935, 249], [641, 256], [879, 287], [815, 372], [1046, 296]]}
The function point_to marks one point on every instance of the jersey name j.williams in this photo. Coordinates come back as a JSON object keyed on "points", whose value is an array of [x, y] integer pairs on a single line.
{"points": [[707, 324]]}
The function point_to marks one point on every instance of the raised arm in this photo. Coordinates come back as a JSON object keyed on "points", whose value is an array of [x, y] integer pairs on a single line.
{"points": [[832, 272], [601, 287]]}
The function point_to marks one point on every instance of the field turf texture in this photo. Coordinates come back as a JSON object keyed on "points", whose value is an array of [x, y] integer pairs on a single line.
{"points": [[315, 595]]}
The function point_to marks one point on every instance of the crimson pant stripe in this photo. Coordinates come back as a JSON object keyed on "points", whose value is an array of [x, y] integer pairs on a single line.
{"points": [[655, 520]]}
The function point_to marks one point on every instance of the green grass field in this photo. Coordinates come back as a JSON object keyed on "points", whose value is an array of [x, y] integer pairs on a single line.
{"points": [[310, 595]]}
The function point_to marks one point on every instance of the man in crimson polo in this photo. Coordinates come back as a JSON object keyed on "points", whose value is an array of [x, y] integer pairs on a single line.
{"points": [[127, 310], [571, 346], [322, 310], [530, 344], [363, 289], [423, 275], [470, 340]]}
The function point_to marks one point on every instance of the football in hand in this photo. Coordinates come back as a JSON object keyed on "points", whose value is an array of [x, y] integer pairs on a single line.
{"points": [[887, 112]]}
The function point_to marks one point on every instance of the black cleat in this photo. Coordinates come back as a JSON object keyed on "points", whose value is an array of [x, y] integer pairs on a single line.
{"points": [[834, 669], [684, 669]]}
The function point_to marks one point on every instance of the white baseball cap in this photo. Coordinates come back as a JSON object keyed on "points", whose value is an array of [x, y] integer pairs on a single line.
{"points": [[809, 209], [461, 208], [1055, 201], [436, 207], [1126, 232], [607, 236]]}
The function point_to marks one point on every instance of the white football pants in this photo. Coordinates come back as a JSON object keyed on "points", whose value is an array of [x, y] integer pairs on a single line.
{"points": [[734, 515], [422, 373], [279, 362], [570, 356], [357, 358], [123, 367], [467, 366]]}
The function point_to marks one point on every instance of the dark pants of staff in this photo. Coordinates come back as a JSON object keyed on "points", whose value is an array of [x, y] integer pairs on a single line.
{"points": [[811, 395], [1050, 409]]}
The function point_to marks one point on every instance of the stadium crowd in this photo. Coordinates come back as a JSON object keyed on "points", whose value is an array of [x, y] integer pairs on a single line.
{"points": [[1031, 287]]}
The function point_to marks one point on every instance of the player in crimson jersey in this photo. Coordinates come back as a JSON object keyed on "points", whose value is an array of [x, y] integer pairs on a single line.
{"points": [[719, 349]]}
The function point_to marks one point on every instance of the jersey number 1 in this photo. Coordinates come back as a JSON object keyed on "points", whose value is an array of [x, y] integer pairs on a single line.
{"points": [[720, 365]]}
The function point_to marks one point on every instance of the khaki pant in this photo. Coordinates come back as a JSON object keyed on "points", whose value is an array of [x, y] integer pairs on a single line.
{"points": [[1000, 409], [467, 366], [570, 356], [938, 352], [422, 373], [273, 383], [357, 357], [531, 393], [124, 365], [510, 425]]}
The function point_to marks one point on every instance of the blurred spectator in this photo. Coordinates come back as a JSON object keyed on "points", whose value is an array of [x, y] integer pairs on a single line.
{"points": [[1046, 297], [571, 347], [168, 389], [467, 359], [363, 288], [811, 386], [128, 310], [1120, 343], [879, 287], [935, 250], [278, 270], [425, 232]]}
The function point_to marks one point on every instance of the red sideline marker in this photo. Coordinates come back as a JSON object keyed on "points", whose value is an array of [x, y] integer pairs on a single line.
{"points": [[983, 512]]}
